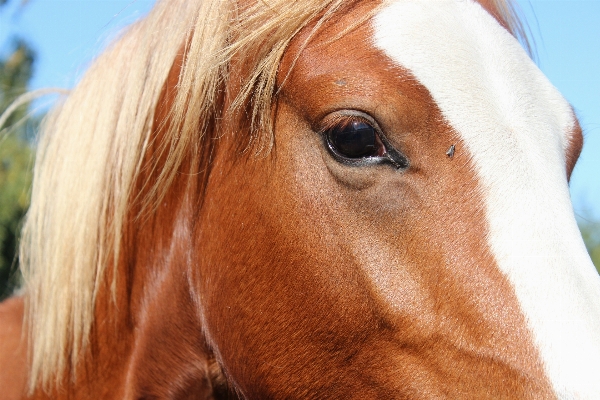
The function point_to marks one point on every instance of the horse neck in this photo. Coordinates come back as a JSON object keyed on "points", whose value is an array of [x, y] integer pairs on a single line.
{"points": [[163, 354], [147, 339]]}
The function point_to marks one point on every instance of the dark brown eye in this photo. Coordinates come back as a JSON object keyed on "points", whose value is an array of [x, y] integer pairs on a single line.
{"points": [[353, 140]]}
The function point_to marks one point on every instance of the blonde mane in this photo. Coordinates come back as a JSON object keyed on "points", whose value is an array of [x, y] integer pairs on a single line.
{"points": [[92, 146]]}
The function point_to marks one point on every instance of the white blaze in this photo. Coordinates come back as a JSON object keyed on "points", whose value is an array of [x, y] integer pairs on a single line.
{"points": [[515, 125]]}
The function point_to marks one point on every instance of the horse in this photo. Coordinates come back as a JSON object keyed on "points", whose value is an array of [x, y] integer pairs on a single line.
{"points": [[312, 199]]}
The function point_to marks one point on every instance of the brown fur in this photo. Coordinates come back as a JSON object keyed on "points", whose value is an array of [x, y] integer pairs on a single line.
{"points": [[291, 276], [574, 149], [390, 333], [13, 377]]}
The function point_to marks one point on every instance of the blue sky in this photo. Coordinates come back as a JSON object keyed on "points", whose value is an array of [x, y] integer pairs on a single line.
{"points": [[67, 34], [567, 42]]}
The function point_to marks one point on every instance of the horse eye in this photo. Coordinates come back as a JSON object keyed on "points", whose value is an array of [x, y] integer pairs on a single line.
{"points": [[354, 140]]}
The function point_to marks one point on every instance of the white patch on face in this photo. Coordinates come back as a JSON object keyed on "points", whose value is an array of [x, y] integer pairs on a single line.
{"points": [[515, 125]]}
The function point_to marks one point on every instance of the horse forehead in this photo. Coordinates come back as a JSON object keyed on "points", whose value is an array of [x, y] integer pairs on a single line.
{"points": [[476, 71]]}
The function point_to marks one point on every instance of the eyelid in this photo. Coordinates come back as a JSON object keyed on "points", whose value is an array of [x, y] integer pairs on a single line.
{"points": [[347, 117]]}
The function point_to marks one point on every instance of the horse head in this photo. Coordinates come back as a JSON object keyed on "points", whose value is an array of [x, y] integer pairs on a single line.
{"points": [[320, 200]]}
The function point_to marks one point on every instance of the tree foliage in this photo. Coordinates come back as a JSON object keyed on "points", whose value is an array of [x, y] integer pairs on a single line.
{"points": [[15, 180], [16, 157], [590, 231]]}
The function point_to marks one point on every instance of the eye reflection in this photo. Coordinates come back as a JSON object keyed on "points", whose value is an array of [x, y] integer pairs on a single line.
{"points": [[354, 139]]}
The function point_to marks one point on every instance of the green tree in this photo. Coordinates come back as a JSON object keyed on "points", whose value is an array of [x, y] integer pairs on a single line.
{"points": [[15, 179], [16, 157], [590, 231]]}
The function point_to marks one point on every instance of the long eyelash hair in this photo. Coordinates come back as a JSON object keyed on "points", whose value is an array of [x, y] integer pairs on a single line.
{"points": [[340, 121]]}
